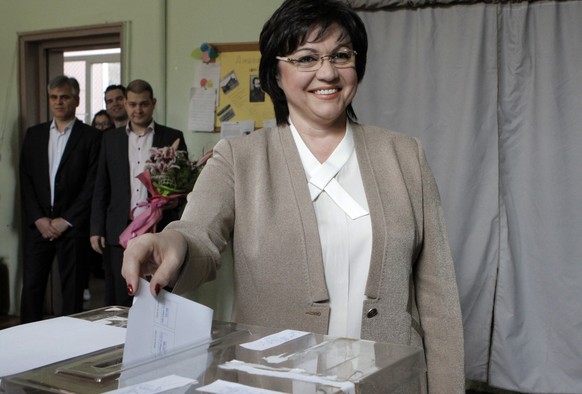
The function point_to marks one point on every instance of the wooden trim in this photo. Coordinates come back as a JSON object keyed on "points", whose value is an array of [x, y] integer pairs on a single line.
{"points": [[69, 32], [236, 47]]}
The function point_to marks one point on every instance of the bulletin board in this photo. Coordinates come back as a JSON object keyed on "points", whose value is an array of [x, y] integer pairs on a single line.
{"points": [[239, 95]]}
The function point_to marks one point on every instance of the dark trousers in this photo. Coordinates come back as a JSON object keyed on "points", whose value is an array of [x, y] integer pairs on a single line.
{"points": [[38, 257], [95, 267], [115, 285]]}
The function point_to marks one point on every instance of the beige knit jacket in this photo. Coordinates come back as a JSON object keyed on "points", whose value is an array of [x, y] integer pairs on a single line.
{"points": [[254, 191]]}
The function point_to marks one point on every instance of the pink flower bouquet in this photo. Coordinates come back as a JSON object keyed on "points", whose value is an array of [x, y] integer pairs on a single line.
{"points": [[168, 175]]}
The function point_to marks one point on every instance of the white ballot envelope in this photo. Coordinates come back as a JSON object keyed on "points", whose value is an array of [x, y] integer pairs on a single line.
{"points": [[162, 324]]}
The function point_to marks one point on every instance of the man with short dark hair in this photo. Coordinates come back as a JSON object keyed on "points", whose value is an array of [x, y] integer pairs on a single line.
{"points": [[115, 96], [118, 192], [58, 163]]}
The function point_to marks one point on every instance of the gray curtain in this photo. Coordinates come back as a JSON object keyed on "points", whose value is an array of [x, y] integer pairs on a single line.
{"points": [[494, 92]]}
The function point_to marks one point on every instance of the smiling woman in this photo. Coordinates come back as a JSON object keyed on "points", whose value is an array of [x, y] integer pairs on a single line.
{"points": [[317, 98], [279, 43], [337, 227]]}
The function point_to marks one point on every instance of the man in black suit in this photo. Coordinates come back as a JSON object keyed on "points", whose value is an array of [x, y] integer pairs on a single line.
{"points": [[118, 192], [58, 163]]}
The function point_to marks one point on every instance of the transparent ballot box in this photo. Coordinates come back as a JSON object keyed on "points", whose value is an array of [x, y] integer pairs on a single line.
{"points": [[239, 358]]}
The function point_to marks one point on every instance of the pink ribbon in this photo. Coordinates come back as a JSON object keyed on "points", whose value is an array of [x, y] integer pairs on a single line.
{"points": [[146, 221]]}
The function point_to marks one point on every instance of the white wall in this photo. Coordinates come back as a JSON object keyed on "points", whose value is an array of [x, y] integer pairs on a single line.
{"points": [[160, 35]]}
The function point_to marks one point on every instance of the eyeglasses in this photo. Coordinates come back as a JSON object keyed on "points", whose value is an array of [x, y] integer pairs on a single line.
{"points": [[314, 61]]}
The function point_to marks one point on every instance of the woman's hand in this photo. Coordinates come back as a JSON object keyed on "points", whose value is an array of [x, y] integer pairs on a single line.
{"points": [[160, 255]]}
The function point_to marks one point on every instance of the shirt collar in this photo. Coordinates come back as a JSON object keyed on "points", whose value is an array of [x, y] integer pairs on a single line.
{"points": [[149, 129], [322, 176], [68, 127], [308, 159]]}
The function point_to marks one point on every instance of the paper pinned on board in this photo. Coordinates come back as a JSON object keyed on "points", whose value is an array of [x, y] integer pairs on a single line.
{"points": [[234, 129]]}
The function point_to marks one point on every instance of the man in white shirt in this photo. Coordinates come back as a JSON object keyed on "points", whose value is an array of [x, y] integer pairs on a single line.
{"points": [[118, 192], [58, 163]]}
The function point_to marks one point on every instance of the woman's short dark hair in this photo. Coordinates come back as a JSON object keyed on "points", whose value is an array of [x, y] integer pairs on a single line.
{"points": [[289, 27], [103, 113]]}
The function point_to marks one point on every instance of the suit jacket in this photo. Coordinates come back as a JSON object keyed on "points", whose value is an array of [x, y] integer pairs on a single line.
{"points": [[74, 180], [254, 189], [111, 200]]}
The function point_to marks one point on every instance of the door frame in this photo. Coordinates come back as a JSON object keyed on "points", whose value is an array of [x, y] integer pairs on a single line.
{"points": [[40, 56]]}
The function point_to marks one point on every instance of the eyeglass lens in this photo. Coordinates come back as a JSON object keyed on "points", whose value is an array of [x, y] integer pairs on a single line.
{"points": [[315, 61]]}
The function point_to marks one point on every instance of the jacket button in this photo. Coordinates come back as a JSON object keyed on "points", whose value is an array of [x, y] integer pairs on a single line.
{"points": [[372, 312]]}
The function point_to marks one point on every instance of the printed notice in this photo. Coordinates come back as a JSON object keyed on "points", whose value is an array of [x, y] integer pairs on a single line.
{"points": [[156, 386], [274, 340], [234, 129], [202, 107], [224, 387]]}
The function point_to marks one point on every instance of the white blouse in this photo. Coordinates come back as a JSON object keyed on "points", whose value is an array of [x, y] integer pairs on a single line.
{"points": [[345, 230]]}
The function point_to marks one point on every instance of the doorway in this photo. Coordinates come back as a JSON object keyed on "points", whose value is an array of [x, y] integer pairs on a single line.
{"points": [[42, 56], [46, 54], [95, 70]]}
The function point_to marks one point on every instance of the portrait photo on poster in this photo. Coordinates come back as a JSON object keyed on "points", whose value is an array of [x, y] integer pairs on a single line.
{"points": [[256, 94]]}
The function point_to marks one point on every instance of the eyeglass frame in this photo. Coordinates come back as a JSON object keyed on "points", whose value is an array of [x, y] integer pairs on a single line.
{"points": [[106, 124], [321, 59]]}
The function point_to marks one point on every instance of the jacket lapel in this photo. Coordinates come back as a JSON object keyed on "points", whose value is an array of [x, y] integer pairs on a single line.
{"points": [[387, 275], [40, 148], [159, 134], [377, 214], [72, 142], [317, 285], [382, 263], [122, 151]]}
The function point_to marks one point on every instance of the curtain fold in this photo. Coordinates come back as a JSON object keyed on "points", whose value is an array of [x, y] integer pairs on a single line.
{"points": [[538, 306], [494, 92]]}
